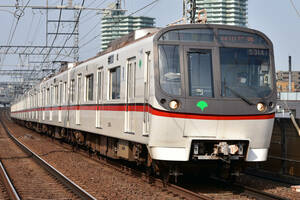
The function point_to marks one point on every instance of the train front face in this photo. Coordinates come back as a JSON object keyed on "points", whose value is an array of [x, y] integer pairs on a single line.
{"points": [[215, 94]]}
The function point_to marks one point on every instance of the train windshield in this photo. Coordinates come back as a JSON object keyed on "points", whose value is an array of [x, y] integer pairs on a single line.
{"points": [[245, 72], [169, 69]]}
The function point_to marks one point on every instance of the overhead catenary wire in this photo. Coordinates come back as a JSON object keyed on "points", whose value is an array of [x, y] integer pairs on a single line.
{"points": [[294, 6], [102, 2], [57, 30], [140, 9], [12, 34], [75, 26], [30, 27]]}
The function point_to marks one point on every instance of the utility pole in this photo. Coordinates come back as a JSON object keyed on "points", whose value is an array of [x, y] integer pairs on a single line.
{"points": [[290, 74], [44, 55], [76, 36]]}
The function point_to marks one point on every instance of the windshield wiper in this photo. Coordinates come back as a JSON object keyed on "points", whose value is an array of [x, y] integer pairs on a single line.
{"points": [[239, 95]]}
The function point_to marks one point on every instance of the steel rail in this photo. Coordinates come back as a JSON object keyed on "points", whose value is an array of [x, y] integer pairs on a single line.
{"points": [[63, 179], [12, 193], [187, 194], [249, 191], [259, 194]]}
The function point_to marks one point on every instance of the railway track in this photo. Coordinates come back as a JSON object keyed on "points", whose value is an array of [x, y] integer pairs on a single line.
{"points": [[7, 189], [257, 194], [59, 186], [176, 191], [248, 191]]}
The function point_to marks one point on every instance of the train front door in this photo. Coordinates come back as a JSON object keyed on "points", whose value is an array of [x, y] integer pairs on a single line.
{"points": [[130, 106]]}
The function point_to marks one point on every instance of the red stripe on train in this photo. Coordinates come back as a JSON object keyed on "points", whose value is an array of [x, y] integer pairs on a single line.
{"points": [[153, 111]]}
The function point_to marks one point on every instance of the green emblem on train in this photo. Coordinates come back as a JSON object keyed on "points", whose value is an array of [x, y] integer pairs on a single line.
{"points": [[202, 105]]}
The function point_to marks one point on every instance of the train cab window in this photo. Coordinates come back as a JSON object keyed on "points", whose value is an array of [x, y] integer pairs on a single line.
{"points": [[245, 72], [89, 87], [115, 83], [169, 69], [200, 72]]}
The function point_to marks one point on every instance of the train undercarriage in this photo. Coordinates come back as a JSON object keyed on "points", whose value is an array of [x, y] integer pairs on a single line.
{"points": [[223, 165]]}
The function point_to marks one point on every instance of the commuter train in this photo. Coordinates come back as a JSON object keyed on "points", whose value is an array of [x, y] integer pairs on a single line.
{"points": [[177, 95]]}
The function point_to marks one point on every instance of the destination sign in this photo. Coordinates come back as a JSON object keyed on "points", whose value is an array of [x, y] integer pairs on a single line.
{"points": [[239, 37]]}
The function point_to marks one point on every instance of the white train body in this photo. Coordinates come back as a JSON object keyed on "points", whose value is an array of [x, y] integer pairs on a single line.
{"points": [[118, 95]]}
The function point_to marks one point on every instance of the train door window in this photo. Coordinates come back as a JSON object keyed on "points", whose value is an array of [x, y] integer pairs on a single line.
{"points": [[115, 83], [56, 95], [200, 72], [36, 104], [43, 97], [89, 87], [52, 97], [99, 98], [60, 93], [48, 96], [99, 85], [72, 90], [131, 79], [78, 88], [77, 114], [65, 93]]}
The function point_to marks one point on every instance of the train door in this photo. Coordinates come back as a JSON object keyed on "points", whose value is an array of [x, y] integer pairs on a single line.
{"points": [[130, 95], [77, 114], [146, 119], [99, 97], [200, 87]]}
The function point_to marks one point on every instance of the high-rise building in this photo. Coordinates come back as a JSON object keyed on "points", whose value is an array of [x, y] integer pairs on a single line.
{"points": [[116, 24], [230, 12]]}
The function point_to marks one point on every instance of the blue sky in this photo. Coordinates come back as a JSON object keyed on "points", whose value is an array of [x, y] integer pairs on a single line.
{"points": [[276, 18]]}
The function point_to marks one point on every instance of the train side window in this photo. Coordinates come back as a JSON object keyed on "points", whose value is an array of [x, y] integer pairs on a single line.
{"points": [[72, 90], [89, 87], [115, 83]]}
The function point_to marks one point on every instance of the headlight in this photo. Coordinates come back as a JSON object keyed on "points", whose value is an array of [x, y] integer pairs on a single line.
{"points": [[261, 107], [174, 104]]}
